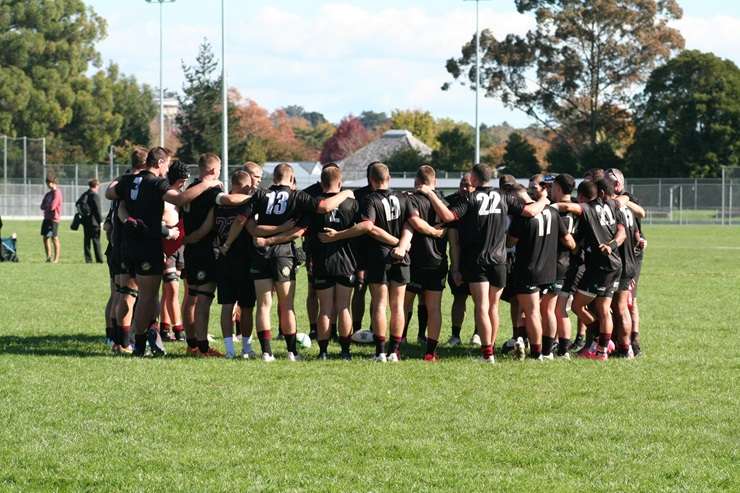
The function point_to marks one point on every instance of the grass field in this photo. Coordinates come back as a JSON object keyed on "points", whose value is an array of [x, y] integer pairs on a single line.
{"points": [[75, 418]]}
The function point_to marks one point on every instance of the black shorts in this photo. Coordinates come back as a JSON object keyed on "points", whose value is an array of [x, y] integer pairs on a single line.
{"points": [[461, 290], [599, 283], [428, 279], [624, 284], [278, 269], [493, 274], [327, 282], [145, 264], [309, 272], [573, 277], [388, 273], [173, 266], [200, 266], [49, 229], [234, 283]]}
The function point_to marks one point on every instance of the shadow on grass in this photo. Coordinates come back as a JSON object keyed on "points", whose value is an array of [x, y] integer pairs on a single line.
{"points": [[75, 345]]}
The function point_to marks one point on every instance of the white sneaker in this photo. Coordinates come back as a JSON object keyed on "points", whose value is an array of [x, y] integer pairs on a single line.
{"points": [[519, 351], [454, 341], [475, 340], [249, 355], [566, 356], [268, 358], [489, 360], [380, 358], [393, 358], [294, 357], [549, 357]]}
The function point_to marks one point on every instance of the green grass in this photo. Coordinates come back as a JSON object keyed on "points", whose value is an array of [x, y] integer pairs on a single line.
{"points": [[75, 418]]}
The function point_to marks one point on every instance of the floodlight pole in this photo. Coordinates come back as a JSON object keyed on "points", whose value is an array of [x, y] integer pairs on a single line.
{"points": [[161, 66], [477, 79], [224, 101]]}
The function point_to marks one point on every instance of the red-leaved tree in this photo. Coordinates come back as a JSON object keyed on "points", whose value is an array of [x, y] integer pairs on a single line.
{"points": [[349, 136]]}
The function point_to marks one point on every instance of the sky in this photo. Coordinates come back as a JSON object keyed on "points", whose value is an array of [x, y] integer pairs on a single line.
{"points": [[346, 56]]}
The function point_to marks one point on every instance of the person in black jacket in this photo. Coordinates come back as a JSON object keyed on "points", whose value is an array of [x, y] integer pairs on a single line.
{"points": [[88, 205]]}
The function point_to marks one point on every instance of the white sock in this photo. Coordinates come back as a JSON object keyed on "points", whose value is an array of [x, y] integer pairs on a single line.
{"points": [[229, 343]]}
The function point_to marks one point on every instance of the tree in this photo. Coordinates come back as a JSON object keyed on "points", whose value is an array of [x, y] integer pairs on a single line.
{"points": [[563, 159], [199, 120], [456, 149], [420, 123], [135, 103], [372, 120], [586, 56], [406, 160], [314, 118], [519, 158], [349, 136], [688, 120]]}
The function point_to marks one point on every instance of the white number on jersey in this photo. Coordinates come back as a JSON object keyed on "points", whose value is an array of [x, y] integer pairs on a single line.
{"points": [[135, 190], [277, 203], [334, 218], [629, 218], [571, 224], [606, 216], [489, 203], [544, 222], [392, 208]]}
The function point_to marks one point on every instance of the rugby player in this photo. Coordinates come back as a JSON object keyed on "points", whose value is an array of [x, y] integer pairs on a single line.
{"points": [[428, 256], [482, 228], [143, 195], [361, 246]]}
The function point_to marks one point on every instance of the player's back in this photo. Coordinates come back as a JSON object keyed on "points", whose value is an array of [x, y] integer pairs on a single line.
{"points": [[196, 212], [388, 210], [599, 226], [537, 246], [427, 252], [142, 193], [337, 256], [627, 250], [280, 204]]}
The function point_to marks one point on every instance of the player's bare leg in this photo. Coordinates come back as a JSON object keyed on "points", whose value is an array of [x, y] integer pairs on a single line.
{"points": [[480, 291], [124, 311], [396, 297], [204, 299], [408, 309], [548, 305], [263, 289], [635, 335], [379, 302], [47, 248], [358, 302], [323, 325], [457, 316], [563, 323], [57, 249], [312, 309], [342, 299], [530, 305], [227, 329], [188, 320], [433, 304], [622, 322], [603, 312], [285, 292]]}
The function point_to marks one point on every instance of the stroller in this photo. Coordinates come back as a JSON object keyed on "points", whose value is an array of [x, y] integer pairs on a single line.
{"points": [[8, 250]]}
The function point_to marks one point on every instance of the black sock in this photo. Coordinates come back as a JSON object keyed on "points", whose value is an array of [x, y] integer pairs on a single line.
{"points": [[379, 345], [406, 323], [423, 316], [290, 343], [592, 332], [521, 332], [579, 339], [535, 350], [333, 331], [116, 334], [323, 346], [140, 342], [431, 345], [563, 346], [264, 337], [313, 330], [192, 343], [546, 345], [456, 329], [395, 345], [344, 342], [203, 346]]}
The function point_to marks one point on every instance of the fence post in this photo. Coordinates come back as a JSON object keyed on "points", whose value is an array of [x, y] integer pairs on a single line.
{"points": [[660, 192], [696, 193], [5, 162], [77, 176], [680, 204], [722, 220], [729, 208], [25, 159], [43, 156], [670, 199]]}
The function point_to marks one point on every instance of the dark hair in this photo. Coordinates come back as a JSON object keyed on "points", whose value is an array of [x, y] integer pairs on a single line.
{"points": [[379, 172], [240, 177], [177, 171], [426, 174], [566, 183], [369, 167], [482, 172], [138, 158], [605, 187], [282, 171], [506, 182], [208, 158], [587, 190], [330, 175], [93, 183], [594, 174], [329, 165], [156, 154], [51, 179]]}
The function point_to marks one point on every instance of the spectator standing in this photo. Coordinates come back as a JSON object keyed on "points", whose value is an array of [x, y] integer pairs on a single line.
{"points": [[88, 206], [52, 207]]}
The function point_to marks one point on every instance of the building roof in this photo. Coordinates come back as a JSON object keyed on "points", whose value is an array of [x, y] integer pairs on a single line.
{"points": [[392, 141]]}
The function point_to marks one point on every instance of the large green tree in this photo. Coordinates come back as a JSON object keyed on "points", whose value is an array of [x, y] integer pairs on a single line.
{"points": [[578, 66], [520, 159], [456, 148], [688, 120], [420, 123]]}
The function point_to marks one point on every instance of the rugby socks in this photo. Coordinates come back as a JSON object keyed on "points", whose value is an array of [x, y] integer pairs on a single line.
{"points": [[623, 350], [563, 346], [456, 329], [165, 327], [431, 345], [604, 342], [333, 331], [521, 332], [379, 344], [395, 345], [488, 350], [203, 346], [344, 342], [229, 344], [290, 343], [421, 314], [246, 345], [177, 329], [125, 334], [140, 344], [192, 343], [592, 332], [535, 350], [546, 345], [323, 346], [312, 333], [264, 338], [406, 323]]}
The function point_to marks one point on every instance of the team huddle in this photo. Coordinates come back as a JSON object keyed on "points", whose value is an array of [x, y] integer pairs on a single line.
{"points": [[538, 248]]}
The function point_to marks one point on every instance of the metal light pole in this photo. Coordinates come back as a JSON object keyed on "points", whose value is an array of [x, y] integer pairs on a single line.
{"points": [[161, 67], [477, 78], [224, 102]]}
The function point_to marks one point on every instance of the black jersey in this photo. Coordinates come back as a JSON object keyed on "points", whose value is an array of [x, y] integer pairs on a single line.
{"points": [[427, 252], [224, 218], [598, 226], [564, 254], [335, 259], [195, 214], [278, 205], [627, 250], [142, 193], [388, 210], [455, 198], [361, 243], [537, 249], [315, 190], [638, 222], [482, 224]]}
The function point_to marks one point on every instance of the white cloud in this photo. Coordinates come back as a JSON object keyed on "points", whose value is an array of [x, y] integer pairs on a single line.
{"points": [[719, 34]]}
